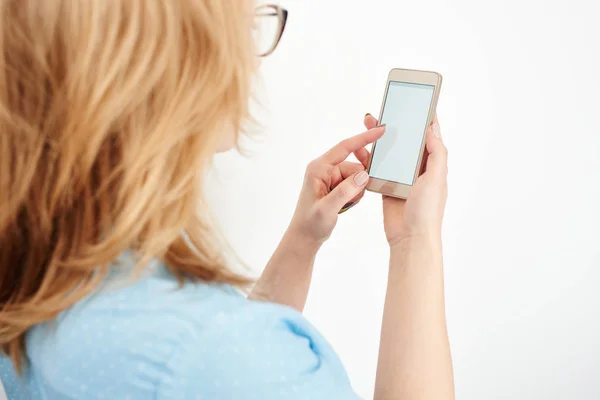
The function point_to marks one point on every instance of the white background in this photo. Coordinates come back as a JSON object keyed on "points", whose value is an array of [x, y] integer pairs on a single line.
{"points": [[518, 111]]}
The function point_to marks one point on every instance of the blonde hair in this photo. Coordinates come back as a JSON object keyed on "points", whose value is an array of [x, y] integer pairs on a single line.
{"points": [[109, 111]]}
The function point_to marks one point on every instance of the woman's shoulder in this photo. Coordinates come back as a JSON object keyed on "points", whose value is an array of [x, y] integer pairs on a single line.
{"points": [[155, 305], [156, 300], [122, 338], [154, 338]]}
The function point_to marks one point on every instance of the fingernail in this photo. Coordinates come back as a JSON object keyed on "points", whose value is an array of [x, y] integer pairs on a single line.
{"points": [[361, 178], [382, 126], [367, 114], [435, 128], [348, 206]]}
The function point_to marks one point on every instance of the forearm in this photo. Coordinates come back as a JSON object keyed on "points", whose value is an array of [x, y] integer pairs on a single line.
{"points": [[286, 278], [414, 353]]}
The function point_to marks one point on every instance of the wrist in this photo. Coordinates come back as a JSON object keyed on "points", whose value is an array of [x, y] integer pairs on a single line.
{"points": [[296, 241], [427, 240], [417, 253]]}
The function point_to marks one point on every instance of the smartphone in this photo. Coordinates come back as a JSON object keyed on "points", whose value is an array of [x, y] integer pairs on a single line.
{"points": [[407, 111]]}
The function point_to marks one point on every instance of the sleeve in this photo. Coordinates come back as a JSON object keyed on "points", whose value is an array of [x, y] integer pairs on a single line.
{"points": [[263, 351]]}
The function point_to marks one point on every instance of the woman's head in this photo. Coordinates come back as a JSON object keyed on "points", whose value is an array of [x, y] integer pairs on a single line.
{"points": [[109, 110]]}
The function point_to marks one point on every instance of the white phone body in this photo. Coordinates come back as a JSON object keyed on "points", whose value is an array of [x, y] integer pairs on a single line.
{"points": [[408, 108]]}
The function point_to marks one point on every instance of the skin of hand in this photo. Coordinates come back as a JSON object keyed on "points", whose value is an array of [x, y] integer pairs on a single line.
{"points": [[414, 354], [414, 358], [422, 213], [330, 182]]}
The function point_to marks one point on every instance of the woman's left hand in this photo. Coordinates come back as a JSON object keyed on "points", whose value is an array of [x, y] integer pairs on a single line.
{"points": [[330, 183]]}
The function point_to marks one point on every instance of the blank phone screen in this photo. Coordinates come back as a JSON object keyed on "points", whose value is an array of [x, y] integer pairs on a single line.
{"points": [[405, 114]]}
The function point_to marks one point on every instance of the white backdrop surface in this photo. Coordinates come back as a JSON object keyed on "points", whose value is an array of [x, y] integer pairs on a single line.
{"points": [[519, 113]]}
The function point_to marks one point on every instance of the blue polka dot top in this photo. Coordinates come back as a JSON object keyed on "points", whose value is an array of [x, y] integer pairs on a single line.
{"points": [[152, 339]]}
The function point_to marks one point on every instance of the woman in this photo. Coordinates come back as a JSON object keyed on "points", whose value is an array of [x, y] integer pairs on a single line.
{"points": [[112, 284]]}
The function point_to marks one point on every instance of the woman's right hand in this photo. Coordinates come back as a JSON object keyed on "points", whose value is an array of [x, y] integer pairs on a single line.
{"points": [[420, 216]]}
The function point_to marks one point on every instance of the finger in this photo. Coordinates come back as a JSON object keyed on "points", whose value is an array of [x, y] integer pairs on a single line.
{"points": [[363, 155], [370, 121], [424, 162], [343, 193], [348, 168], [358, 197], [437, 160], [425, 152], [343, 149], [343, 171]]}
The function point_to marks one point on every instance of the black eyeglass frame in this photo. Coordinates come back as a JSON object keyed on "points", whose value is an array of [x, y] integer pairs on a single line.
{"points": [[272, 10]]}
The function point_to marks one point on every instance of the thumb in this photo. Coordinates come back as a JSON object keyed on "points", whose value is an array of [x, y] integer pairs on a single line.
{"points": [[370, 121], [437, 161], [343, 193]]}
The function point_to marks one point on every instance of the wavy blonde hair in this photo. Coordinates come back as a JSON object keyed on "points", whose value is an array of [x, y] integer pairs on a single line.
{"points": [[109, 111]]}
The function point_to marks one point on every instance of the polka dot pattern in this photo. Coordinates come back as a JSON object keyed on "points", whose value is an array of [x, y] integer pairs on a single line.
{"points": [[148, 340]]}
